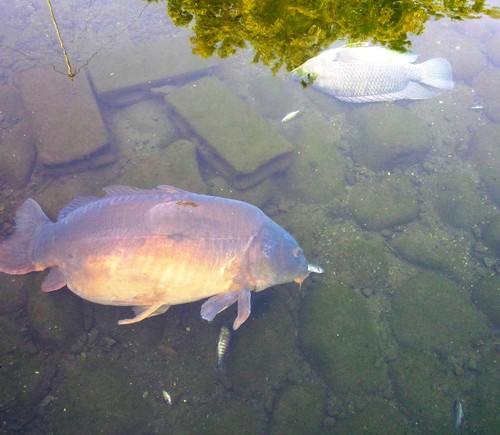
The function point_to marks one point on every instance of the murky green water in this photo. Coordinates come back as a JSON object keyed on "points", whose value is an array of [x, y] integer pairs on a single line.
{"points": [[397, 201]]}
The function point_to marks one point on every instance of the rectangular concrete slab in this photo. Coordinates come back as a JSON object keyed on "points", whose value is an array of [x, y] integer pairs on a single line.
{"points": [[240, 144], [134, 67], [67, 123]]}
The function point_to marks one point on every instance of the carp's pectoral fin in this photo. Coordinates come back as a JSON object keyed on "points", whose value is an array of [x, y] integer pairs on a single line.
{"points": [[142, 312], [220, 302], [54, 280], [244, 308]]}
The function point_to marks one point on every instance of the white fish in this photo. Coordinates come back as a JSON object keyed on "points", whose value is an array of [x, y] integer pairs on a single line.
{"points": [[362, 74], [166, 397], [290, 116], [223, 344]]}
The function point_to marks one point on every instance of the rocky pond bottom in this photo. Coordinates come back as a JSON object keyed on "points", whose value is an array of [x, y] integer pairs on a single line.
{"points": [[398, 203]]}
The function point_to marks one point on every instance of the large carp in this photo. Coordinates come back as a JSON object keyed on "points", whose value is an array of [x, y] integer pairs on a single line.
{"points": [[151, 249]]}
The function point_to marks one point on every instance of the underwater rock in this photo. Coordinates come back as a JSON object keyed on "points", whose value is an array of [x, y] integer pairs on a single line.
{"points": [[435, 249], [383, 203], [425, 390], [261, 344], [273, 97], [66, 121], [174, 165], [17, 146], [486, 295], [236, 141], [55, 319], [140, 67], [491, 234], [386, 136], [317, 173], [337, 336], [493, 49], [360, 263], [487, 85], [101, 393], [424, 315], [299, 408], [141, 128], [14, 292], [456, 199], [482, 414], [486, 154], [374, 418]]}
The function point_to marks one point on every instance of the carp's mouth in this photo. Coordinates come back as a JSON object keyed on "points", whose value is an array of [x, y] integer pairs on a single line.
{"points": [[310, 268]]}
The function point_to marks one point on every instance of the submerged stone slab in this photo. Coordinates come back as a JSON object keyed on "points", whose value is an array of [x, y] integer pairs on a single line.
{"points": [[231, 136], [67, 123], [17, 146], [132, 68]]}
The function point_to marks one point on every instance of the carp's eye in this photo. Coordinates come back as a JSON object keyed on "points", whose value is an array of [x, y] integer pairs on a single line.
{"points": [[297, 252]]}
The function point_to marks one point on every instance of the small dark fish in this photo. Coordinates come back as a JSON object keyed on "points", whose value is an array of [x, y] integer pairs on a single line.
{"points": [[457, 414], [223, 344]]}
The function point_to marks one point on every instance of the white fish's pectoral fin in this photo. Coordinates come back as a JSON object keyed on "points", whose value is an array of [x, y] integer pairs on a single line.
{"points": [[143, 312], [54, 280], [214, 305], [244, 308]]}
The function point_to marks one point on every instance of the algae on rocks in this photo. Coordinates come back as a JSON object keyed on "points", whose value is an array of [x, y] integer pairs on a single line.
{"points": [[424, 315], [387, 136], [338, 338], [456, 199], [299, 409], [486, 295], [244, 147], [383, 203]]}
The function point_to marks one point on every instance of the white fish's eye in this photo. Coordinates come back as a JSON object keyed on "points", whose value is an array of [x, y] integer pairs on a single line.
{"points": [[297, 252]]}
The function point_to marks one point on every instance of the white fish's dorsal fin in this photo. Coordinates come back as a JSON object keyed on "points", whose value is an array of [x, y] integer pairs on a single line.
{"points": [[371, 54], [78, 202]]}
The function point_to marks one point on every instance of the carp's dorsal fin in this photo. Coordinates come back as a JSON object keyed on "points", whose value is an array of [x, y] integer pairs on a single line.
{"points": [[142, 312], [54, 280], [71, 206], [118, 190]]}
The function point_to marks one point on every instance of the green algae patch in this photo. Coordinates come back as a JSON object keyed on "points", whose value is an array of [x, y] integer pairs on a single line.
{"points": [[482, 414], [360, 263], [486, 154], [424, 315], [456, 199], [265, 350], [175, 165], [375, 418], [388, 136], [486, 296], [435, 249], [378, 204], [299, 409], [425, 389], [236, 141], [337, 336], [101, 393], [491, 233], [317, 173], [55, 318]]}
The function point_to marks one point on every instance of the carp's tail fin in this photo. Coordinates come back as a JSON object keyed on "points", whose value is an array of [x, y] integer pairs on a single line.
{"points": [[437, 73], [16, 254]]}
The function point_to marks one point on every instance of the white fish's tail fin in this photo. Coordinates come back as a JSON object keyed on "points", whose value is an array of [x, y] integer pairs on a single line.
{"points": [[16, 254], [437, 73]]}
